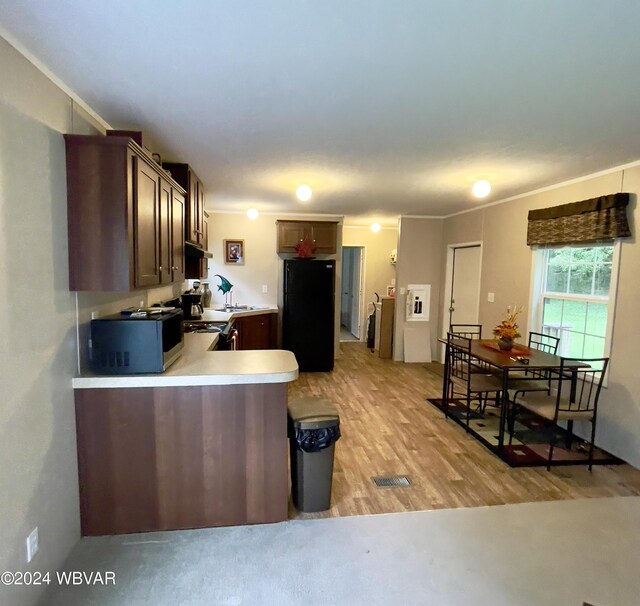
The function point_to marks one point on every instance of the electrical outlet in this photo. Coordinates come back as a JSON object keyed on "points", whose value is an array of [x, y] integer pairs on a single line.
{"points": [[402, 290], [32, 544], [94, 315], [141, 304], [265, 288], [491, 297], [393, 281]]}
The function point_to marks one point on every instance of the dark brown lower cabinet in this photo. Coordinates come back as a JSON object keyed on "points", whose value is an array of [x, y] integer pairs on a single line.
{"points": [[166, 458], [257, 332]]}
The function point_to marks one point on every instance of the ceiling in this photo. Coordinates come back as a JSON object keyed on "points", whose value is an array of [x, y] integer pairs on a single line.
{"points": [[384, 108]]}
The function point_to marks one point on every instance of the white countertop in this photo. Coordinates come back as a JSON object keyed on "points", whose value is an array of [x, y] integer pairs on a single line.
{"points": [[212, 314], [198, 365]]}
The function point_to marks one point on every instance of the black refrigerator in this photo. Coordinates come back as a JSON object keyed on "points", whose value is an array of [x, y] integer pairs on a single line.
{"points": [[309, 313]]}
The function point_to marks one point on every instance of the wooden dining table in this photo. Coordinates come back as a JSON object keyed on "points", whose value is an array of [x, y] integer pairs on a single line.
{"points": [[487, 351]]}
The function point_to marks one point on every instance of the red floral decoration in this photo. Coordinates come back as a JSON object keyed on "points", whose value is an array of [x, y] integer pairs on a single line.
{"points": [[305, 248]]}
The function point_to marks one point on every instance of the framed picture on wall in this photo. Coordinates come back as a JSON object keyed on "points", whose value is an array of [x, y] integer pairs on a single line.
{"points": [[391, 291], [234, 252]]}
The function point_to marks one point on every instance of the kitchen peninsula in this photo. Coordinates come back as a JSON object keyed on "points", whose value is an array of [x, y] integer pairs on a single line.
{"points": [[203, 444]]}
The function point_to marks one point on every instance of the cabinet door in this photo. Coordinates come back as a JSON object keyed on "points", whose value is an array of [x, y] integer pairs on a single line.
{"points": [[256, 332], [192, 223], [324, 236], [177, 236], [205, 232], [204, 262], [166, 248], [146, 225], [202, 236], [290, 233]]}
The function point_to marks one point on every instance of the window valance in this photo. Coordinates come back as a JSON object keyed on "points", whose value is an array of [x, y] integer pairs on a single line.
{"points": [[603, 218]]}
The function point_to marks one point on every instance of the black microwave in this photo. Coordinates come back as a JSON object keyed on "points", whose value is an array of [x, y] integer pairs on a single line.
{"points": [[128, 344]]}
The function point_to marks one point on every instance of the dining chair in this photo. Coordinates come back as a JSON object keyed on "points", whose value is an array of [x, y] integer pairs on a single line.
{"points": [[466, 377], [573, 396], [534, 379], [470, 331]]}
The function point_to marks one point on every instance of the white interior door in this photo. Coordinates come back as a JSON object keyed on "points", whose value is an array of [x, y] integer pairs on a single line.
{"points": [[464, 305], [345, 301], [356, 292]]}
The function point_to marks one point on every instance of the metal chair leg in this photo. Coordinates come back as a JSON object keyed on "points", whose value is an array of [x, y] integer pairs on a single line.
{"points": [[511, 420], [592, 445], [468, 410], [551, 446]]}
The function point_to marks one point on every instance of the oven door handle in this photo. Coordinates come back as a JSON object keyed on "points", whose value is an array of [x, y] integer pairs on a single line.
{"points": [[233, 339]]}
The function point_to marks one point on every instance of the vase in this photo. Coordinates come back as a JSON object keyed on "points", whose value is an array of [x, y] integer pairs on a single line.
{"points": [[505, 344], [206, 295]]}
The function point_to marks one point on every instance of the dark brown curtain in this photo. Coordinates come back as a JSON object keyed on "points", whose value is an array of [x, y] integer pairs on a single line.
{"points": [[603, 218]]}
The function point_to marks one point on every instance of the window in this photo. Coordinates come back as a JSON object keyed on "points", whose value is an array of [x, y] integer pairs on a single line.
{"points": [[574, 297]]}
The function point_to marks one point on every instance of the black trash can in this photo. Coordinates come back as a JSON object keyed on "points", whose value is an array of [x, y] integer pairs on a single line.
{"points": [[314, 428]]}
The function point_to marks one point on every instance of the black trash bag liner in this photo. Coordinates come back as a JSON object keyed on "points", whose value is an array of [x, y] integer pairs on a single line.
{"points": [[314, 440]]}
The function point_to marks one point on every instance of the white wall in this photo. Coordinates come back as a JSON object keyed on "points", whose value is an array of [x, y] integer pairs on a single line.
{"points": [[41, 323], [260, 258], [262, 264], [420, 261], [378, 270], [38, 474], [506, 271]]}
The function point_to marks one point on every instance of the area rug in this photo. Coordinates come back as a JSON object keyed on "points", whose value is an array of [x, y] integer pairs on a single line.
{"points": [[531, 437]]}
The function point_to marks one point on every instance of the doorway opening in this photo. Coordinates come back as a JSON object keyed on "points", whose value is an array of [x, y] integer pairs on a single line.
{"points": [[351, 295], [462, 285]]}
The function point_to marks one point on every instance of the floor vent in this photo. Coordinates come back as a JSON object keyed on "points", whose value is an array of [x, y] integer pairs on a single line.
{"points": [[391, 481]]}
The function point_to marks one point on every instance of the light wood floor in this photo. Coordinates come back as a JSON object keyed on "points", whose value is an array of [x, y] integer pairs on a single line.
{"points": [[388, 429]]}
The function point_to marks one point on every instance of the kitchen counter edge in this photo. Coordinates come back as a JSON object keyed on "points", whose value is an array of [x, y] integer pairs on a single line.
{"points": [[198, 365]]}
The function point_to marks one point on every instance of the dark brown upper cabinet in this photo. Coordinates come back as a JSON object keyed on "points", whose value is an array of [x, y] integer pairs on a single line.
{"points": [[194, 211], [323, 234], [171, 233], [125, 217]]}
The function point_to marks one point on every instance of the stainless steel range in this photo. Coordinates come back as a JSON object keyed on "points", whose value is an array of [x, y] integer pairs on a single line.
{"points": [[228, 339], [204, 326]]}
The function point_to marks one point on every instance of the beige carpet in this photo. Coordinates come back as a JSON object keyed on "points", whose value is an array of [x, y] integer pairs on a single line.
{"points": [[534, 554]]}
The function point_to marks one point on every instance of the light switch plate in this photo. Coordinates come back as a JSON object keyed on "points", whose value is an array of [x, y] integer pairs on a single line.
{"points": [[402, 290], [491, 297]]}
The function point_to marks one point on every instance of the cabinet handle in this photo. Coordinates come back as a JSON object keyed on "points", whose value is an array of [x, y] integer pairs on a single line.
{"points": [[160, 268], [174, 268]]}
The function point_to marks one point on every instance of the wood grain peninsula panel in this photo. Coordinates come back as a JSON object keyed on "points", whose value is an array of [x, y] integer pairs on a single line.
{"points": [[171, 458]]}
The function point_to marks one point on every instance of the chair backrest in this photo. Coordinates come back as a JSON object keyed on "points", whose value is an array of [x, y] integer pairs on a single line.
{"points": [[459, 356], [544, 342], [469, 331], [579, 387]]}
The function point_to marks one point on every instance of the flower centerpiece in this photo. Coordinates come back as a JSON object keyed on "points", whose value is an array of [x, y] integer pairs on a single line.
{"points": [[507, 330]]}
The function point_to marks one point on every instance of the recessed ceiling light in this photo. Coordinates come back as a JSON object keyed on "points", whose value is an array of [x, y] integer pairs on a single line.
{"points": [[304, 193], [253, 213], [375, 227], [481, 189]]}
